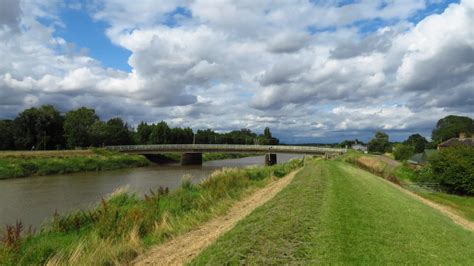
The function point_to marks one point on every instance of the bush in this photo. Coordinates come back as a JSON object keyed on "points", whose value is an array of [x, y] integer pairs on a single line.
{"points": [[403, 152], [453, 169]]}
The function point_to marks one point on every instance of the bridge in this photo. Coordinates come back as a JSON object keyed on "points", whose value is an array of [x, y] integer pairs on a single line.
{"points": [[192, 153]]}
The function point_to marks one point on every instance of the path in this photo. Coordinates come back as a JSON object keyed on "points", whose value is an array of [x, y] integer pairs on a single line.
{"points": [[183, 248], [387, 160]]}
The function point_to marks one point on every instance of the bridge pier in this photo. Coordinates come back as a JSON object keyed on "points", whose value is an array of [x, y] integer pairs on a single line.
{"points": [[191, 158], [270, 159]]}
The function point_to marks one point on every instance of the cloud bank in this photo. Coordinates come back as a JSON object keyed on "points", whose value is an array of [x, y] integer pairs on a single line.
{"points": [[311, 70]]}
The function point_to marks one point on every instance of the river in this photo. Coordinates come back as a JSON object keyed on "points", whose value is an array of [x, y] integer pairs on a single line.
{"points": [[32, 200]]}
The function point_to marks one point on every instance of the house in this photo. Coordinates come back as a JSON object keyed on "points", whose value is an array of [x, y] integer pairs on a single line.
{"points": [[421, 158], [461, 141], [359, 147]]}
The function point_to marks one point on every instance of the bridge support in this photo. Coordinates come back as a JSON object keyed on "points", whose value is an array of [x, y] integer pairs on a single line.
{"points": [[193, 158], [270, 159]]}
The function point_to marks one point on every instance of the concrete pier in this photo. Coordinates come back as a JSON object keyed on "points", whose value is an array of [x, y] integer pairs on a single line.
{"points": [[192, 158], [270, 159]]}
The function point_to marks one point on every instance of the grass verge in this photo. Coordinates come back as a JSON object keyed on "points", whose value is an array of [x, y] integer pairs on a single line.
{"points": [[407, 178], [124, 225], [44, 163], [333, 213]]}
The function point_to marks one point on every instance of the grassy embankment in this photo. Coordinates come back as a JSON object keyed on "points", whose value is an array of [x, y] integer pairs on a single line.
{"points": [[21, 164], [124, 225], [407, 178], [334, 213], [29, 163]]}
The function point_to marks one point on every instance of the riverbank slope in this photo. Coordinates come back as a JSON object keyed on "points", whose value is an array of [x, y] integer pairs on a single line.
{"points": [[30, 163], [334, 213], [125, 225]]}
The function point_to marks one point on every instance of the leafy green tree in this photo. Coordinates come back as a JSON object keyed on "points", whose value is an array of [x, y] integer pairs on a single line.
{"points": [[143, 133], [266, 133], [380, 143], [451, 126], [77, 125], [117, 132], [403, 151], [417, 141], [7, 141], [98, 133], [207, 136], [160, 133], [453, 169], [39, 127]]}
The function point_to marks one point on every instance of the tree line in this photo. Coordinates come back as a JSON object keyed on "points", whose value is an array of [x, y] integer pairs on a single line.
{"points": [[446, 128], [45, 128]]}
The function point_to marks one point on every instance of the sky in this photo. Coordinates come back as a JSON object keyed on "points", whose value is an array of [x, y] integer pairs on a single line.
{"points": [[311, 70]]}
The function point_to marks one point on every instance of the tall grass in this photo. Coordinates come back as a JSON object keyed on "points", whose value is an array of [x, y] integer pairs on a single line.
{"points": [[122, 226], [17, 166], [373, 165]]}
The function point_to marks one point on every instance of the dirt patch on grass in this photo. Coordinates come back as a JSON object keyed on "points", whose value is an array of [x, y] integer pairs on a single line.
{"points": [[183, 248]]}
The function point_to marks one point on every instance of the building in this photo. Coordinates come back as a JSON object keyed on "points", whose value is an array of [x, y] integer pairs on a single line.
{"points": [[421, 158], [461, 141]]}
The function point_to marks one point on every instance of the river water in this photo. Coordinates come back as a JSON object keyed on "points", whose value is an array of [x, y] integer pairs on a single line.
{"points": [[35, 199]]}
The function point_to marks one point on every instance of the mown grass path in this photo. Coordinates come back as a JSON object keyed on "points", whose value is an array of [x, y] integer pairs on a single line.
{"points": [[335, 213]]}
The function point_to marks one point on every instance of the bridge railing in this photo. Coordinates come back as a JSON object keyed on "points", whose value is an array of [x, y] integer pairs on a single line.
{"points": [[226, 148]]}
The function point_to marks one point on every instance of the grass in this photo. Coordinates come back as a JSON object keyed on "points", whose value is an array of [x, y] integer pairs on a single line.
{"points": [[334, 213], [22, 164], [124, 225], [46, 154], [407, 178]]}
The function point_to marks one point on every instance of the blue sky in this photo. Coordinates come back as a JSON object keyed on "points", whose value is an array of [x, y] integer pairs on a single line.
{"points": [[81, 30], [312, 71], [86, 32]]}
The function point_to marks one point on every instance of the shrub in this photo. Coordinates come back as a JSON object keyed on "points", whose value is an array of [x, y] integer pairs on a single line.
{"points": [[453, 169], [403, 152]]}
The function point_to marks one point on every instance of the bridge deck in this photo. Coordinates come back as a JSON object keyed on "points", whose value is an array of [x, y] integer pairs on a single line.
{"points": [[224, 148]]}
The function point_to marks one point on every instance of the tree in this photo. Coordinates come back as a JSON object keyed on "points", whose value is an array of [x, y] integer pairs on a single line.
{"points": [[6, 135], [117, 132], [379, 143], [417, 141], [266, 133], [403, 151], [77, 124], [40, 127], [160, 133], [98, 133], [143, 133], [453, 169], [451, 126]]}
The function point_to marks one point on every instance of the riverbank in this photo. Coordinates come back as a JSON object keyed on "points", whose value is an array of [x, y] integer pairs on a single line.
{"points": [[334, 213], [124, 225], [22, 164], [14, 164], [407, 179]]}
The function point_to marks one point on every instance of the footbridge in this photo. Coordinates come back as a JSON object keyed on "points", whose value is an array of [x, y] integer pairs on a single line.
{"points": [[192, 153]]}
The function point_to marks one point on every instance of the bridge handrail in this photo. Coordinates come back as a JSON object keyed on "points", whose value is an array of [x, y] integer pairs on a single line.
{"points": [[268, 148]]}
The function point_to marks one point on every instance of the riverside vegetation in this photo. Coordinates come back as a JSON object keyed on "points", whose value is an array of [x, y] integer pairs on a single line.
{"points": [[29, 163], [124, 225], [22, 164]]}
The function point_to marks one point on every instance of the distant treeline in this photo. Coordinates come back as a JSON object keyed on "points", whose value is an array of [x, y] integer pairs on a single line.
{"points": [[46, 128]]}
